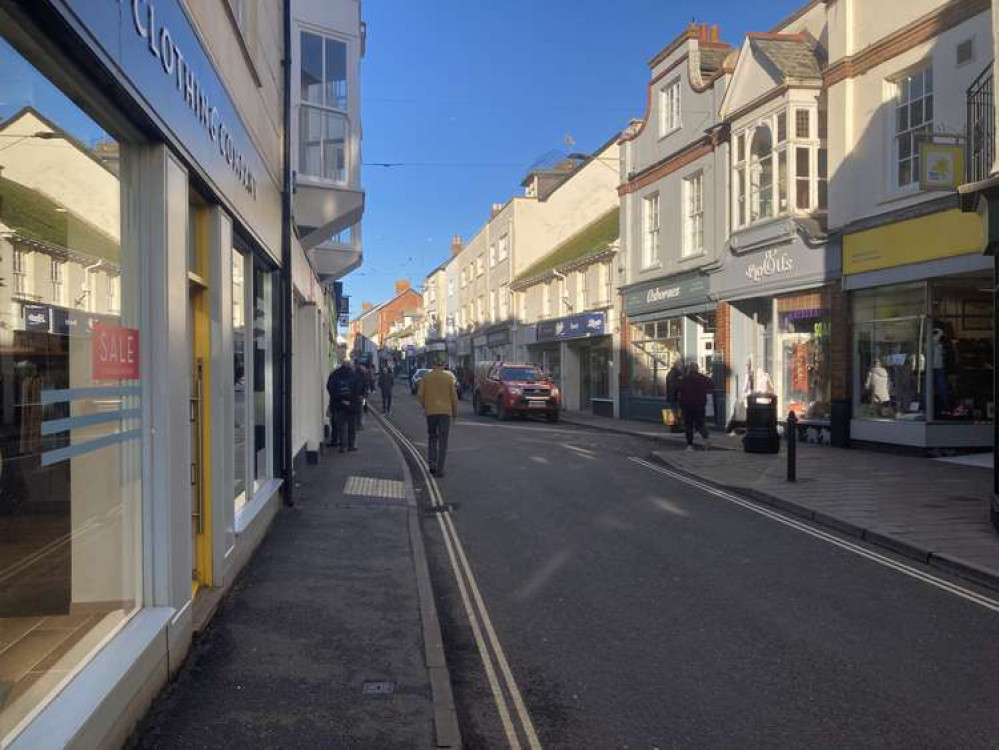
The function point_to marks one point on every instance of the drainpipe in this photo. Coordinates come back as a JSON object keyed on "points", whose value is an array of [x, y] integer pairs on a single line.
{"points": [[287, 290]]}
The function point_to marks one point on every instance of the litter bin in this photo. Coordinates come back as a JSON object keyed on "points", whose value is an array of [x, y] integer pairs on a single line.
{"points": [[761, 424]]}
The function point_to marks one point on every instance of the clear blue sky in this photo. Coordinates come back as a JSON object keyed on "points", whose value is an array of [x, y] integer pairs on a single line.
{"points": [[489, 87]]}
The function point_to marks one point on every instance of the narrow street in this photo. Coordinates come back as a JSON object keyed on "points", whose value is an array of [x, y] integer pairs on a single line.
{"points": [[638, 611]]}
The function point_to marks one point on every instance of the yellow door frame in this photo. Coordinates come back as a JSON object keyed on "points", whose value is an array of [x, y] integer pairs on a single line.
{"points": [[200, 302]]}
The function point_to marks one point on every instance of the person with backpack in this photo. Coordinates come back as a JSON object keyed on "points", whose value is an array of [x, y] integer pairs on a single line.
{"points": [[345, 389]]}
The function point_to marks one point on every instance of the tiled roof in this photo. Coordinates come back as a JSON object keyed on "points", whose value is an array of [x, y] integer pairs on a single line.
{"points": [[712, 59], [794, 57]]}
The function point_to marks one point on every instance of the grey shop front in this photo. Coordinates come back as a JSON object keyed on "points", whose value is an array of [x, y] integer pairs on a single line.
{"points": [[666, 321]]}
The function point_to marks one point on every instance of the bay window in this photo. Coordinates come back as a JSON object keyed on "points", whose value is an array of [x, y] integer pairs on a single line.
{"points": [[778, 167], [322, 117]]}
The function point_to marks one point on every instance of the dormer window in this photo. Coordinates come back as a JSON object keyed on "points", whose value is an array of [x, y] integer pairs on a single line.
{"points": [[776, 172]]}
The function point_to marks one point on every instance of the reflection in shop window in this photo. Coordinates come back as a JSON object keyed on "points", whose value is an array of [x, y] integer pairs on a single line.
{"points": [[803, 338], [70, 469], [240, 408], [655, 346], [263, 376]]}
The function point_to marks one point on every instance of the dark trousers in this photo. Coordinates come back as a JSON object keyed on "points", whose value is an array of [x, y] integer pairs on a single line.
{"points": [[438, 427], [346, 429], [386, 401], [693, 419]]}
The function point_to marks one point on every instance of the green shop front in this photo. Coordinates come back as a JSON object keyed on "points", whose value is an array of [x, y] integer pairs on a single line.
{"points": [[665, 321]]}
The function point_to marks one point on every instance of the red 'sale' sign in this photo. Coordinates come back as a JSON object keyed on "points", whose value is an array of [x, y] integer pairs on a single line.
{"points": [[114, 352]]}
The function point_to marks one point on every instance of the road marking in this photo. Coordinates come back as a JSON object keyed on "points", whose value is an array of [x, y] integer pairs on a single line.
{"points": [[462, 570], [932, 580]]}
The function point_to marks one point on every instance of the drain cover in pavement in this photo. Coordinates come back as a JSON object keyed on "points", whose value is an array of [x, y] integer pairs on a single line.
{"points": [[372, 487], [378, 688]]}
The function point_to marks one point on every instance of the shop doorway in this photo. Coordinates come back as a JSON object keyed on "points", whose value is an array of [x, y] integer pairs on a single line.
{"points": [[200, 434], [585, 378]]}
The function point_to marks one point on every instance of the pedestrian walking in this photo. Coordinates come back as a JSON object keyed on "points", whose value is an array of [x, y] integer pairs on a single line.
{"points": [[673, 378], [386, 382], [345, 387], [694, 389], [439, 399]]}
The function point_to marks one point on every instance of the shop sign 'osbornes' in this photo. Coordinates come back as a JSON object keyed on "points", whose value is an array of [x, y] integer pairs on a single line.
{"points": [[161, 45]]}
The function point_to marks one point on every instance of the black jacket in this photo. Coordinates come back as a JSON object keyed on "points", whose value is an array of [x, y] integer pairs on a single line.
{"points": [[346, 389]]}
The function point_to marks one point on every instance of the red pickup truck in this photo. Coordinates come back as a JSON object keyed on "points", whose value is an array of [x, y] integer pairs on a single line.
{"points": [[514, 388]]}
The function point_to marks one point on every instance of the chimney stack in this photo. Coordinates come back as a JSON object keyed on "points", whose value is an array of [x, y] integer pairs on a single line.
{"points": [[497, 207], [715, 34], [401, 286], [456, 245], [365, 306]]}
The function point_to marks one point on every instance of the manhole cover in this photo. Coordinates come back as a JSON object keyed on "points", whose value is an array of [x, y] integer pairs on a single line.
{"points": [[372, 487], [381, 687]]}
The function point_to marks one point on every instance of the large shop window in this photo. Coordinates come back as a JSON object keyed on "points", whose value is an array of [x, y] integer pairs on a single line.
{"points": [[803, 342], [70, 457], [655, 347], [925, 351], [241, 409], [263, 374]]}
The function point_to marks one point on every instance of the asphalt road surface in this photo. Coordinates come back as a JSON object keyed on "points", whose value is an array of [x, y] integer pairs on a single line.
{"points": [[634, 610]]}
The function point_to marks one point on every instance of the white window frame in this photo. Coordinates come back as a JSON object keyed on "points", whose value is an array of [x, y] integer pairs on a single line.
{"points": [[693, 214], [605, 283], [325, 110], [546, 300], [650, 230], [897, 132], [521, 301], [492, 255], [669, 108], [480, 265], [20, 274], [57, 277], [493, 306], [504, 302], [480, 308], [504, 247], [581, 301]]}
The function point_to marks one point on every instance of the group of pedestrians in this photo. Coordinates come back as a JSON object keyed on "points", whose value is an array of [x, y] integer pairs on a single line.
{"points": [[688, 391], [349, 386]]}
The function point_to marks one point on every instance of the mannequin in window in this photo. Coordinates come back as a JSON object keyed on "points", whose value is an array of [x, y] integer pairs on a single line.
{"points": [[877, 386], [941, 355]]}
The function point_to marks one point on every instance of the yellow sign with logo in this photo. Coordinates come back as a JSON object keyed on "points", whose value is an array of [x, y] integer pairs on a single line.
{"points": [[941, 166], [941, 235]]}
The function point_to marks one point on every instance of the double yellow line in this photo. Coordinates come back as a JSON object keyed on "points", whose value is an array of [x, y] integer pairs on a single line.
{"points": [[486, 640]]}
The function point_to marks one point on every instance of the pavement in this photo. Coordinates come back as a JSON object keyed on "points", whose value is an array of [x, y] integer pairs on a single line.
{"points": [[635, 609], [329, 638], [924, 508]]}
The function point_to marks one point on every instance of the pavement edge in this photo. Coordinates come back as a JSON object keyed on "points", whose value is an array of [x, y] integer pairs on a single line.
{"points": [[446, 729], [949, 563]]}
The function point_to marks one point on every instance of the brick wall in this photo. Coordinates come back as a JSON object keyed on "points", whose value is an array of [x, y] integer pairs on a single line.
{"points": [[723, 332], [840, 345]]}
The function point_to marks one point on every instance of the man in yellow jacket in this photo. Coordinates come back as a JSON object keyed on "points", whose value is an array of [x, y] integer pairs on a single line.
{"points": [[439, 400]]}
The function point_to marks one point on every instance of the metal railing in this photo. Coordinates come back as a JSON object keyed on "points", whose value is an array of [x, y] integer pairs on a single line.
{"points": [[981, 127]]}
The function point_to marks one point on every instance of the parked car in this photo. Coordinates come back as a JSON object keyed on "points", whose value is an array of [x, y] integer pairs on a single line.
{"points": [[414, 382], [511, 388]]}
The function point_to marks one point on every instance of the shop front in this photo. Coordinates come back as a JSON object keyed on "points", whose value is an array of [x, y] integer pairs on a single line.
{"points": [[668, 321], [577, 351], [140, 325], [922, 333], [496, 344], [778, 286]]}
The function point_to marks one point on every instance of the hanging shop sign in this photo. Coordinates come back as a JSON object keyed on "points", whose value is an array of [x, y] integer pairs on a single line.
{"points": [[941, 166], [573, 327], [678, 291], [114, 352], [152, 48]]}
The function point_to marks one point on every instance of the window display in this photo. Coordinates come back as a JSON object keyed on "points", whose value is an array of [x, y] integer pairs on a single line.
{"points": [[803, 344], [655, 346], [891, 335], [70, 413], [961, 347], [240, 409]]}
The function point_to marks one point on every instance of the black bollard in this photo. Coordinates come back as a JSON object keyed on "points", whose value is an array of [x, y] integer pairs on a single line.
{"points": [[792, 447]]}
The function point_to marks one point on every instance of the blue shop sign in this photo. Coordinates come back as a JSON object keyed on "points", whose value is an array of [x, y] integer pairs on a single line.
{"points": [[573, 327]]}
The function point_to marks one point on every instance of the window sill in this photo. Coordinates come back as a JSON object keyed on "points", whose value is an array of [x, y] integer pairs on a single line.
{"points": [[671, 131], [312, 181], [693, 256], [901, 194], [652, 267], [267, 492]]}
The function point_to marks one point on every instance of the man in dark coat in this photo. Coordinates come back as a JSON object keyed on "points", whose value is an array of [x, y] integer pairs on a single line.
{"points": [[346, 388], [673, 378], [694, 389], [386, 382]]}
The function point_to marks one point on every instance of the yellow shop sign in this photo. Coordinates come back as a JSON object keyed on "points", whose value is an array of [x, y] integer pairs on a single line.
{"points": [[940, 235]]}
